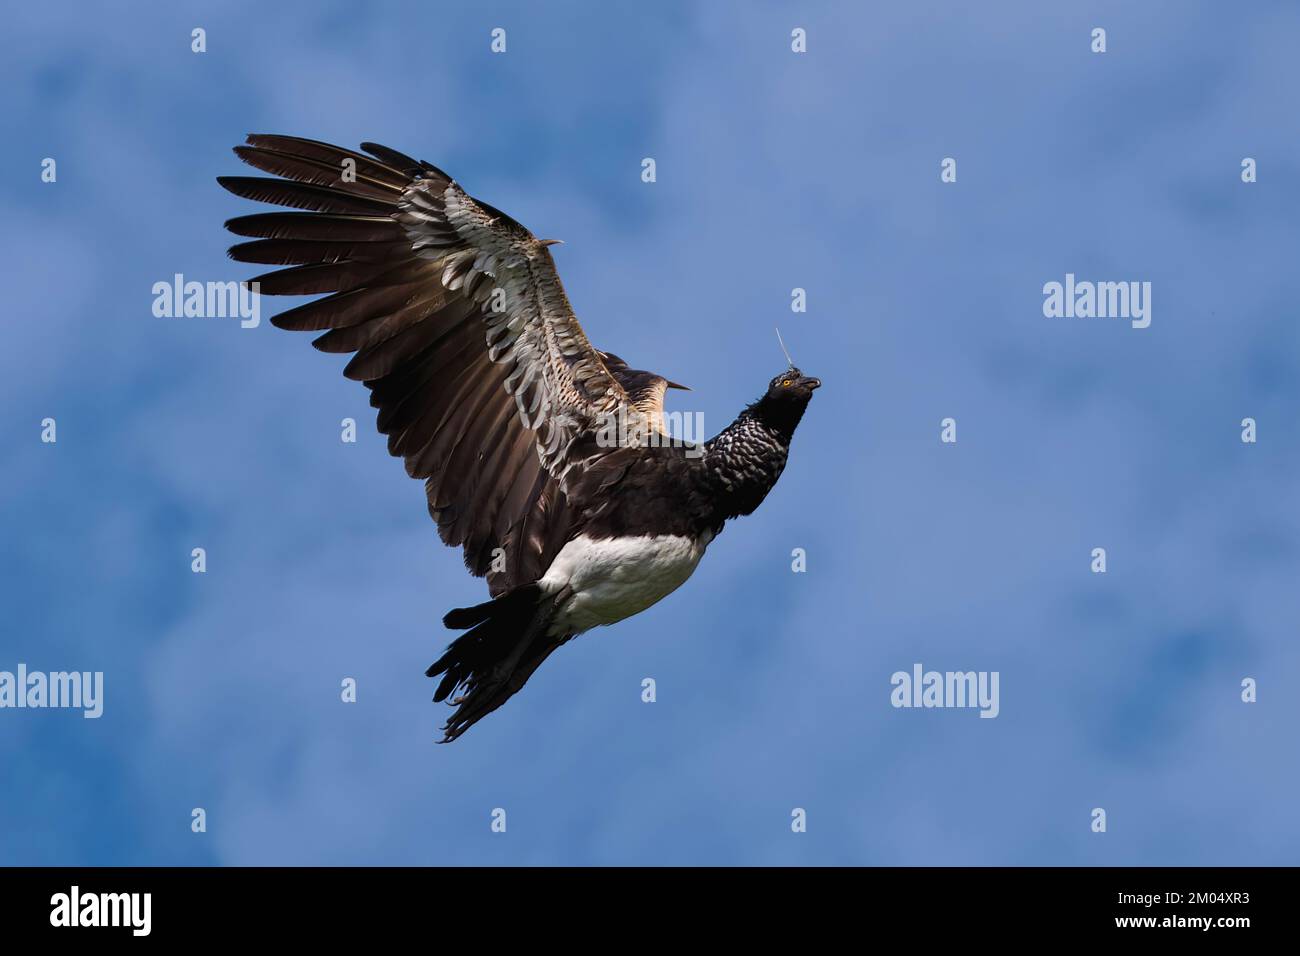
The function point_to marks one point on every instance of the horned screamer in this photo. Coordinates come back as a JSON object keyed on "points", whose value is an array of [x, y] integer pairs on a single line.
{"points": [[489, 390]]}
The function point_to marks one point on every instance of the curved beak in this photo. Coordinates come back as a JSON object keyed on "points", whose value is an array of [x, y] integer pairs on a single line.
{"points": [[810, 383], [550, 242]]}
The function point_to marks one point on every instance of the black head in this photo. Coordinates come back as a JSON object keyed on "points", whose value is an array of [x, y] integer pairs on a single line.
{"points": [[791, 385], [783, 404]]}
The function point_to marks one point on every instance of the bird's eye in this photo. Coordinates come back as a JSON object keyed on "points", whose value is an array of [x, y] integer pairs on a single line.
{"points": [[786, 383]]}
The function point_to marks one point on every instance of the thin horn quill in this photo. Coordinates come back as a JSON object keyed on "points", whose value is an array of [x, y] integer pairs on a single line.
{"points": [[783, 348]]}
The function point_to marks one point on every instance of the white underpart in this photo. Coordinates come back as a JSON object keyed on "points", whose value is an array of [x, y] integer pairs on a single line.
{"points": [[614, 578]]}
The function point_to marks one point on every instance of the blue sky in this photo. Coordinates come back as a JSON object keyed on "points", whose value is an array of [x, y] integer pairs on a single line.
{"points": [[775, 171]]}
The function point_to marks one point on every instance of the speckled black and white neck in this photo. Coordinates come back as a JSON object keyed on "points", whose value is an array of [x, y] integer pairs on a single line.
{"points": [[745, 460], [671, 492]]}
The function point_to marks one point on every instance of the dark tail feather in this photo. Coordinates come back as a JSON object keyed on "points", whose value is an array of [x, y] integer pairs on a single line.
{"points": [[493, 660]]}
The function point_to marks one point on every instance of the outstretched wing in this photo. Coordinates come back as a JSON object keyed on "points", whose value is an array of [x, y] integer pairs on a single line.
{"points": [[485, 383]]}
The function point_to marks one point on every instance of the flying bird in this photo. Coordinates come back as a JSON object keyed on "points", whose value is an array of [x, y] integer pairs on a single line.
{"points": [[489, 390]]}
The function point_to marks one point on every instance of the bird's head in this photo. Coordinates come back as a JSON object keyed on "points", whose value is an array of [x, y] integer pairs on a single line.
{"points": [[787, 395], [791, 385], [784, 402]]}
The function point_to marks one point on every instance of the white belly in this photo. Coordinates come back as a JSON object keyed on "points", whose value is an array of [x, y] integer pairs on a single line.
{"points": [[615, 578]]}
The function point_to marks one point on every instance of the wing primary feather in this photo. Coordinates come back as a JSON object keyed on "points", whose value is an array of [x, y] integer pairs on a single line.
{"points": [[281, 192]]}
